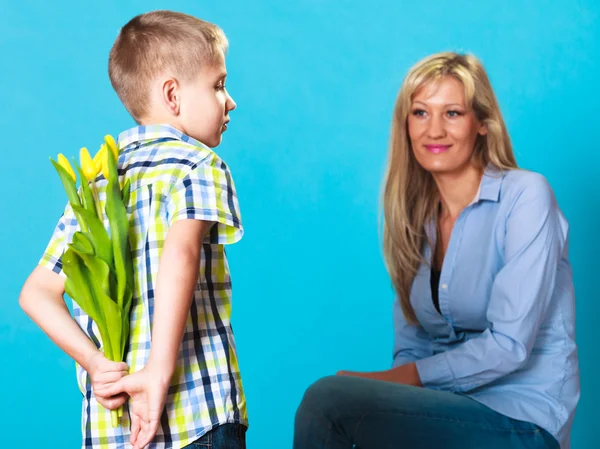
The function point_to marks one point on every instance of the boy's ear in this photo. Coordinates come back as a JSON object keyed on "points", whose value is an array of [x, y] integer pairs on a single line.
{"points": [[171, 95]]}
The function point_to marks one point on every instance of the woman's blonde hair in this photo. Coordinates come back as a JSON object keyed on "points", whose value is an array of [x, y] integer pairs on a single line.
{"points": [[410, 197]]}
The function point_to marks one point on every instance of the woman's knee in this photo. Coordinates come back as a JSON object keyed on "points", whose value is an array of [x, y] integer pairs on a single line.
{"points": [[325, 396], [330, 395], [323, 407], [319, 395]]}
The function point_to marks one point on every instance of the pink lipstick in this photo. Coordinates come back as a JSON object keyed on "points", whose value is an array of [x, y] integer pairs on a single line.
{"points": [[437, 149]]}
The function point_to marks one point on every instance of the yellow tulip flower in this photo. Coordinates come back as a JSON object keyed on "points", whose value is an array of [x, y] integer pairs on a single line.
{"points": [[87, 164], [112, 145], [104, 159], [64, 163], [98, 159]]}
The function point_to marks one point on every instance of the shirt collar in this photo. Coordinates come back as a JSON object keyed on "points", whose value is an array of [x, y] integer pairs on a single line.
{"points": [[489, 188], [132, 137]]}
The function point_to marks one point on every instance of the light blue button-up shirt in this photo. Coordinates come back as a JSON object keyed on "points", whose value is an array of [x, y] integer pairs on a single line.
{"points": [[505, 335]]}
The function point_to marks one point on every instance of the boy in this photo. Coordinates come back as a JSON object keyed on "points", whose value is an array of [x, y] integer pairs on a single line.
{"points": [[168, 69]]}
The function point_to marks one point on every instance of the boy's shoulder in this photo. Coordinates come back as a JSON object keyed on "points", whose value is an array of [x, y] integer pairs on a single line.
{"points": [[177, 155], [164, 154]]}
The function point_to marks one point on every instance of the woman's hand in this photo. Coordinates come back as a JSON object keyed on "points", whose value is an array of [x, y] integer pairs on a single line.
{"points": [[404, 374]]}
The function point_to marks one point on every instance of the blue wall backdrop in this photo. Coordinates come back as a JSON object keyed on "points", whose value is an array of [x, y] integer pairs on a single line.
{"points": [[315, 82]]}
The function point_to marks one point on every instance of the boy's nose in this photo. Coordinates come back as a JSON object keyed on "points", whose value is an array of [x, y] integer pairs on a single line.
{"points": [[231, 104]]}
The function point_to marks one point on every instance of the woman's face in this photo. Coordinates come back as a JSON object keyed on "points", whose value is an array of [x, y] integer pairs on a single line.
{"points": [[442, 127]]}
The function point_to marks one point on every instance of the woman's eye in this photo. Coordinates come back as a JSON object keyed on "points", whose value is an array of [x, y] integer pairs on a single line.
{"points": [[454, 113], [418, 112]]}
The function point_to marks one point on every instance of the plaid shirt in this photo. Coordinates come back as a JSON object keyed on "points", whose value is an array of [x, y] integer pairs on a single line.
{"points": [[172, 177]]}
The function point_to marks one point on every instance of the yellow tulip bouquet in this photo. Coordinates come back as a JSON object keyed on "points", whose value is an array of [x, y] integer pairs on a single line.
{"points": [[98, 262]]}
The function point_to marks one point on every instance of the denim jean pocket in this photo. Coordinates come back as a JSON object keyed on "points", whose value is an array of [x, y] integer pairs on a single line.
{"points": [[225, 436], [204, 442]]}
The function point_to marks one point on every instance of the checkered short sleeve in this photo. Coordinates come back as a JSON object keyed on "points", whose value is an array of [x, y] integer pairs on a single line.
{"points": [[63, 232], [207, 193]]}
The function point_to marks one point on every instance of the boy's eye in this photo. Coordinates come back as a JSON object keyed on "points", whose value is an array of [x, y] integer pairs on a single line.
{"points": [[220, 86]]}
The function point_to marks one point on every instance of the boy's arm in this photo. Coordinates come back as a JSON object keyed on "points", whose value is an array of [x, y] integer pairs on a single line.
{"points": [[176, 283], [42, 299], [175, 286]]}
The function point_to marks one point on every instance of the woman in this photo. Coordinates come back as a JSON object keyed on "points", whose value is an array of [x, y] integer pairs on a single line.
{"points": [[477, 252]]}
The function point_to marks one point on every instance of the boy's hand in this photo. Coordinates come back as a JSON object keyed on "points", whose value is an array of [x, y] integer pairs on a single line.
{"points": [[103, 374], [148, 391]]}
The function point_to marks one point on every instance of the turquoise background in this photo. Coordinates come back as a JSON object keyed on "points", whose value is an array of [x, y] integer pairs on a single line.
{"points": [[315, 83]]}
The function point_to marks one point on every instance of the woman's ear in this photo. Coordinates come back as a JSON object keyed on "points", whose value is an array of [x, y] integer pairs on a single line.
{"points": [[483, 130]]}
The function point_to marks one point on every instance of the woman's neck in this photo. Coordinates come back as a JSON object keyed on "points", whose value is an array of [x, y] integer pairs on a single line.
{"points": [[457, 190]]}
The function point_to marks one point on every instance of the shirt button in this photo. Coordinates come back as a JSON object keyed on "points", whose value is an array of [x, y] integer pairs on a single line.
{"points": [[444, 286]]}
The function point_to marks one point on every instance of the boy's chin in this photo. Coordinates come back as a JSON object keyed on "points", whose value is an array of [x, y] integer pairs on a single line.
{"points": [[209, 142], [214, 143]]}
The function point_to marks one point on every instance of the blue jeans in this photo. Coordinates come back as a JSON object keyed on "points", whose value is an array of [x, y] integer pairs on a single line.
{"points": [[225, 436], [342, 412]]}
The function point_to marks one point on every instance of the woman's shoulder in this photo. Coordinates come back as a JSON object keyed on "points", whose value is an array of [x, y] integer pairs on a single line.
{"points": [[527, 199], [520, 178], [524, 185]]}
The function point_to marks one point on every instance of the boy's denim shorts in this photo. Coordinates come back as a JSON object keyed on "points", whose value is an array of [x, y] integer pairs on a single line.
{"points": [[225, 436]]}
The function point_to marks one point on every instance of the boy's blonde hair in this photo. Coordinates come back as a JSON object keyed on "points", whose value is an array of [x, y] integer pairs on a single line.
{"points": [[410, 197], [160, 41]]}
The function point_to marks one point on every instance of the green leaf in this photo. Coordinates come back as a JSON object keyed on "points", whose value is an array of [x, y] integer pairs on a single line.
{"points": [[97, 234], [96, 274], [82, 285], [126, 309], [126, 192], [86, 194], [119, 229], [68, 183], [82, 243], [114, 323]]}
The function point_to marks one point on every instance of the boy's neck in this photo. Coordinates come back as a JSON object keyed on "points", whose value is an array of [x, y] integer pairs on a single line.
{"points": [[161, 120]]}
